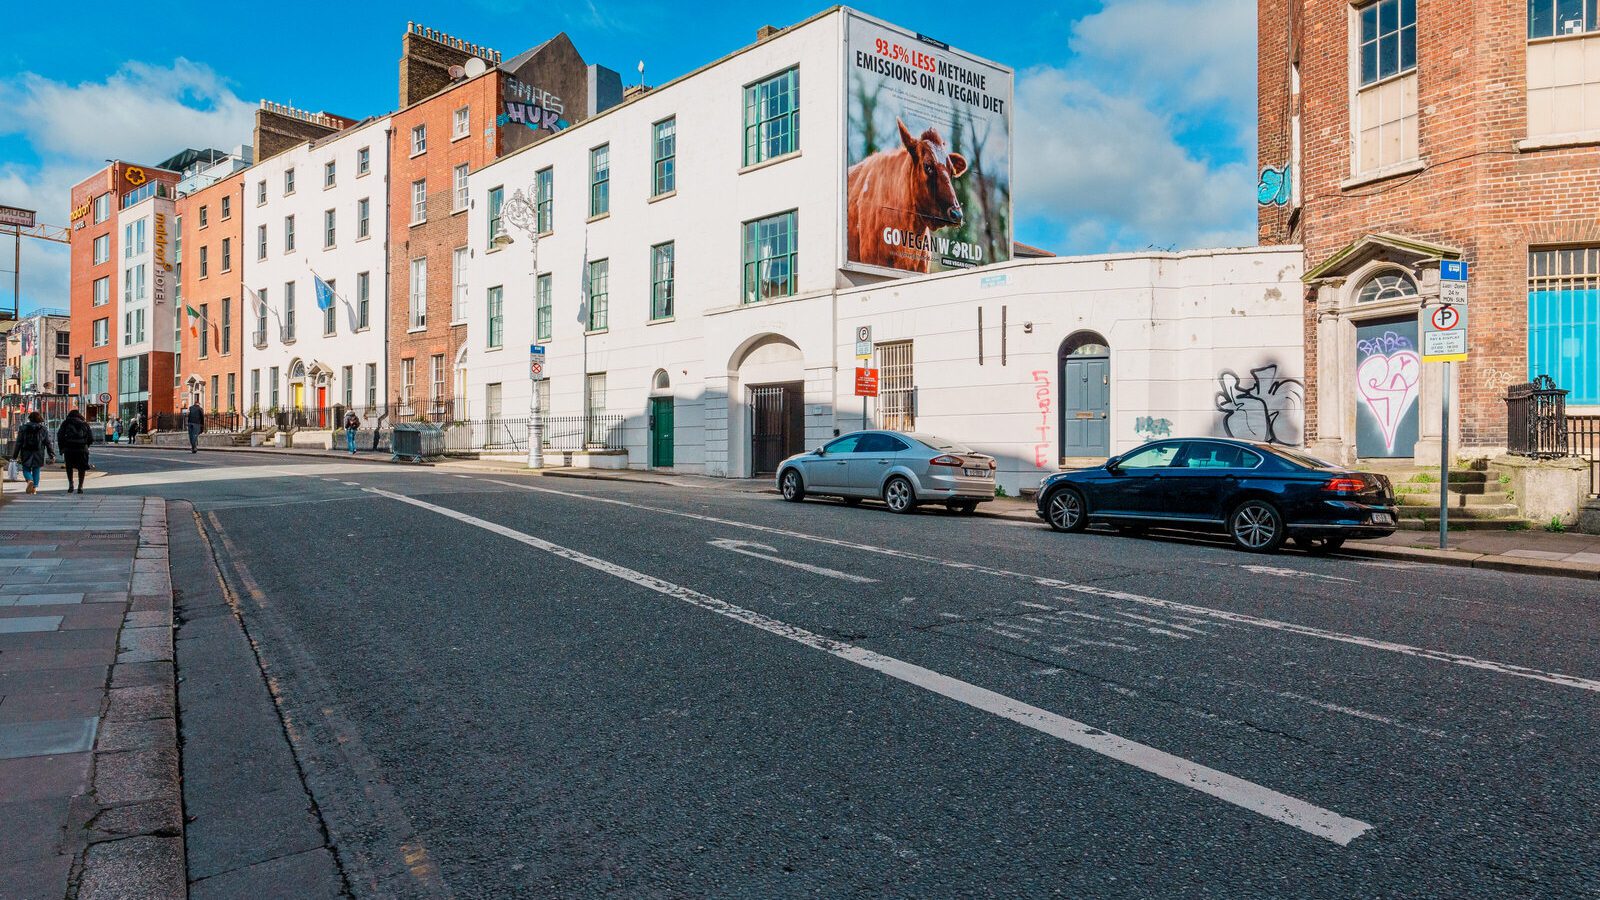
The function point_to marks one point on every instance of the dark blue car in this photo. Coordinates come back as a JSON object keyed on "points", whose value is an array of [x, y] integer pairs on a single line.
{"points": [[1258, 494]]}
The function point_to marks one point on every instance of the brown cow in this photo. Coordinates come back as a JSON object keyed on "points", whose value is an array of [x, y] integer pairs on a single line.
{"points": [[907, 189]]}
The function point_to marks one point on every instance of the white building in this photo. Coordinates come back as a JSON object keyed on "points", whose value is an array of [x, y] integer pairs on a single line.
{"points": [[149, 286], [686, 364], [317, 210]]}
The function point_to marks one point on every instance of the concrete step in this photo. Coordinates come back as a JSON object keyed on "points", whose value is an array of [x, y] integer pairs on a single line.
{"points": [[1457, 498], [1456, 524], [1495, 511]]}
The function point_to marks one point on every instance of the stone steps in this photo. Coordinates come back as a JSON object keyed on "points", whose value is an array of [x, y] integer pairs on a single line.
{"points": [[1458, 499], [1459, 524], [1504, 511]]}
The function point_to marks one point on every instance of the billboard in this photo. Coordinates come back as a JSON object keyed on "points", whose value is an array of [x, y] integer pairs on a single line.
{"points": [[928, 153]]}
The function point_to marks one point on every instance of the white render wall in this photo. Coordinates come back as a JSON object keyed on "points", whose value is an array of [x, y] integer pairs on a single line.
{"points": [[158, 311], [339, 265]]}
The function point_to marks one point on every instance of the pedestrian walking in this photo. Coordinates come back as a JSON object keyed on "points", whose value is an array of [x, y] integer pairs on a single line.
{"points": [[197, 424], [33, 445], [113, 429], [133, 429], [352, 423], [74, 437]]}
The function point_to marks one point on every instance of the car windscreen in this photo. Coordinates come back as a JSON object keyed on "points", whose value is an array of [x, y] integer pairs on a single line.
{"points": [[1301, 459], [941, 444]]}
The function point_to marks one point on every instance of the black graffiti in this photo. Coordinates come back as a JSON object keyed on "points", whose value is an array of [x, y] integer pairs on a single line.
{"points": [[1262, 410]]}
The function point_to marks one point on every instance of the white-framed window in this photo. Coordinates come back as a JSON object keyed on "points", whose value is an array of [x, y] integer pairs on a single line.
{"points": [[288, 182], [600, 180], [363, 218], [205, 261], [1386, 85], [419, 201], [408, 378], [261, 192], [363, 161], [599, 295], [227, 328], [204, 215], [138, 282], [227, 207], [661, 280], [330, 228], [255, 389], [232, 387], [372, 385], [664, 147], [436, 379], [102, 208], [329, 315], [460, 123], [363, 300], [204, 340], [496, 316], [771, 257], [772, 117], [272, 382], [261, 318], [497, 202], [543, 312], [227, 254], [1563, 68], [329, 173], [347, 382], [544, 190], [102, 290], [102, 332], [288, 234], [102, 249], [491, 400], [460, 197], [138, 326], [288, 311], [594, 403], [419, 140], [261, 242], [458, 284], [419, 292]]}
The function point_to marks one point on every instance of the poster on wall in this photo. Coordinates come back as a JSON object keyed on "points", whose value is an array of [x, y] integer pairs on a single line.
{"points": [[928, 151]]}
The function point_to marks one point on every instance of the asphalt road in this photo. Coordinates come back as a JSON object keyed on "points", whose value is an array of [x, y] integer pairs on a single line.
{"points": [[504, 684]]}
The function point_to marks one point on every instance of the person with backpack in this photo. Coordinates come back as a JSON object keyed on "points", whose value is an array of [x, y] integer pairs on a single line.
{"points": [[74, 437], [33, 444], [352, 423], [197, 424], [133, 430]]}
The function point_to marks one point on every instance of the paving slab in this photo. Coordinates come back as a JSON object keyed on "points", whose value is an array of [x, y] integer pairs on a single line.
{"points": [[51, 737], [20, 624]]}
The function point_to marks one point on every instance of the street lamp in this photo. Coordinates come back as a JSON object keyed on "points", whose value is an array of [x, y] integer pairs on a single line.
{"points": [[523, 215]]}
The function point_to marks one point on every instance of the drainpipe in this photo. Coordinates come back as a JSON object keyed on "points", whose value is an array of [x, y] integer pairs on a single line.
{"points": [[388, 165]]}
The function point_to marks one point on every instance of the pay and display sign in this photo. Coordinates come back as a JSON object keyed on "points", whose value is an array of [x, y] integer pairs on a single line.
{"points": [[1444, 327]]}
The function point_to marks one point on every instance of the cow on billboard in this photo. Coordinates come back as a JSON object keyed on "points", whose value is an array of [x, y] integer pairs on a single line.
{"points": [[898, 198]]}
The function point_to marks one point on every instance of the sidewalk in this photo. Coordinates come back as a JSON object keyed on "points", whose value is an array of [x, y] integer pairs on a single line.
{"points": [[88, 750]]}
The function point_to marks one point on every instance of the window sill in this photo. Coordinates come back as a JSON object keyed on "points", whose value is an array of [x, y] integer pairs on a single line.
{"points": [[458, 211], [363, 174], [416, 329], [364, 237], [329, 187], [458, 323], [604, 330], [414, 223], [667, 196], [662, 321], [493, 349], [460, 137], [1408, 167], [417, 154], [772, 161], [1552, 141], [494, 248], [596, 218]]}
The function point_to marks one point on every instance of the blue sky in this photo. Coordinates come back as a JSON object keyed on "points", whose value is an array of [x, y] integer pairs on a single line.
{"points": [[1134, 119]]}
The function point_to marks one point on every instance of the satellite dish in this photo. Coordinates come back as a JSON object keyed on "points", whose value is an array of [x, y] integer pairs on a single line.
{"points": [[475, 67], [457, 73]]}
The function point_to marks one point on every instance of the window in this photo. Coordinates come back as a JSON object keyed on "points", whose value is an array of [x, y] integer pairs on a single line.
{"points": [[137, 331], [1563, 67], [419, 292], [661, 281], [543, 311], [897, 385], [227, 254], [288, 182], [329, 172], [664, 173], [214, 393], [419, 140], [1564, 320], [460, 123], [329, 228], [205, 256], [458, 284], [102, 332], [329, 315], [1554, 18], [227, 207], [255, 389], [497, 201], [272, 381], [600, 180], [544, 184], [1386, 102], [363, 161], [770, 257], [261, 192], [772, 117], [102, 290], [204, 337], [594, 404], [138, 282], [436, 382], [408, 377], [372, 385], [96, 375], [102, 208], [460, 199], [63, 382], [419, 201], [288, 311], [496, 316], [1206, 455], [363, 300], [491, 400], [599, 298], [133, 239], [1393, 286], [63, 343], [261, 318], [1158, 457], [347, 378], [203, 216], [227, 330], [102, 249], [232, 385], [261, 242], [363, 218], [288, 234]]}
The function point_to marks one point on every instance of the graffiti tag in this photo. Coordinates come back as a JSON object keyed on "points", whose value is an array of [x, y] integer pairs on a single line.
{"points": [[1041, 396], [1266, 408], [1273, 189], [1387, 380], [1150, 427]]}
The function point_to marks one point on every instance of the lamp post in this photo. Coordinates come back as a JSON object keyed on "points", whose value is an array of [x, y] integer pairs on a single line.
{"points": [[523, 215]]}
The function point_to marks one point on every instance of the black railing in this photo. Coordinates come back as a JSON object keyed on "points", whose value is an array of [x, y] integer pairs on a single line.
{"points": [[560, 433], [1583, 436], [1536, 419], [439, 412]]}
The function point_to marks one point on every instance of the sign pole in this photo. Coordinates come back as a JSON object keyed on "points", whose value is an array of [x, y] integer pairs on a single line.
{"points": [[1444, 459], [535, 413]]}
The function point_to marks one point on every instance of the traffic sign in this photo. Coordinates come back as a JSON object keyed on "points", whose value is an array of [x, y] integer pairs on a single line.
{"points": [[535, 361], [536, 350], [536, 368], [1452, 270], [104, 398], [864, 343], [1444, 334], [866, 382]]}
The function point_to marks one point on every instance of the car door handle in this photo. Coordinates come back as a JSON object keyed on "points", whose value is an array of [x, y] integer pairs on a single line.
{"points": [[883, 462]]}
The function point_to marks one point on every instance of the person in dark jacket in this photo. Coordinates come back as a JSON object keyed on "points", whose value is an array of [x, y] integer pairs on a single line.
{"points": [[197, 424], [352, 423], [33, 444], [132, 429], [74, 437]]}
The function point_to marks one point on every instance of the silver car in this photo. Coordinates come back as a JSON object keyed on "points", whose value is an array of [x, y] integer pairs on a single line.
{"points": [[900, 469]]}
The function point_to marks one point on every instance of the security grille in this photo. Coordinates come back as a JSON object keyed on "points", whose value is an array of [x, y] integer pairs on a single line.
{"points": [[1564, 269], [896, 410]]}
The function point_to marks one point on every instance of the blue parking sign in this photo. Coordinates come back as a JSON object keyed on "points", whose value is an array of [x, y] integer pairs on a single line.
{"points": [[1452, 270]]}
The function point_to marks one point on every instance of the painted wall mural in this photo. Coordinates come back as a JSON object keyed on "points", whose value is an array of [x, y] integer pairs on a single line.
{"points": [[1274, 188], [1388, 375], [1265, 407]]}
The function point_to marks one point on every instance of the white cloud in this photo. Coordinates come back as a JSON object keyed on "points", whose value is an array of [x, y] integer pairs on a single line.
{"points": [[1178, 54], [141, 112]]}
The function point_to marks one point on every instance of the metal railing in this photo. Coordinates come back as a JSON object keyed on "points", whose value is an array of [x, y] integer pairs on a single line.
{"points": [[560, 433], [1536, 419], [224, 421], [1583, 437]]}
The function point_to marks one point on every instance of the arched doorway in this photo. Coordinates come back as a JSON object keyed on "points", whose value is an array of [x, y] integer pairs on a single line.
{"points": [[1388, 369], [1084, 413], [768, 373], [661, 416]]}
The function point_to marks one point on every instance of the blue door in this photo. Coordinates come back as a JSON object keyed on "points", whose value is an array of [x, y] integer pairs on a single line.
{"points": [[1085, 406], [1388, 374]]}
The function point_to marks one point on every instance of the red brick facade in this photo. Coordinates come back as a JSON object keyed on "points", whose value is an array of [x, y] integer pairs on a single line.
{"points": [[217, 296], [1476, 190]]}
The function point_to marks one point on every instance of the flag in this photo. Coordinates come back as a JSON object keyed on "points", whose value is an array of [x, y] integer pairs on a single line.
{"points": [[261, 302], [583, 286], [194, 321], [324, 293]]}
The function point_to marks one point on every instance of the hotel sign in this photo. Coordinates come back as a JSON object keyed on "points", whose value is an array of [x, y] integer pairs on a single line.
{"points": [[12, 215]]}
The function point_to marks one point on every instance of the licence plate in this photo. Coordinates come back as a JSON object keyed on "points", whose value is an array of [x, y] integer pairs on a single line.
{"points": [[977, 473], [1382, 519]]}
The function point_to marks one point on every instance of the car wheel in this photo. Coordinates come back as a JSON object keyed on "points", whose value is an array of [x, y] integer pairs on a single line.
{"points": [[898, 494], [1065, 511], [791, 487], [850, 501], [1256, 526], [964, 507], [1318, 546]]}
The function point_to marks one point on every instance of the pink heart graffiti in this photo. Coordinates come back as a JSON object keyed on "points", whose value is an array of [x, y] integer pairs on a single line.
{"points": [[1389, 388]]}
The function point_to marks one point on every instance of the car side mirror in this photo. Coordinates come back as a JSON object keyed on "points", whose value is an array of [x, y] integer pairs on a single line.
{"points": [[1111, 465], [820, 451]]}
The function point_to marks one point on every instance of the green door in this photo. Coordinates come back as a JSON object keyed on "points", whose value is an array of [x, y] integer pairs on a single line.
{"points": [[661, 432]]}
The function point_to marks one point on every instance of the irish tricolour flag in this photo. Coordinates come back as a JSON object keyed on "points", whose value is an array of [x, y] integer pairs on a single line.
{"points": [[194, 321]]}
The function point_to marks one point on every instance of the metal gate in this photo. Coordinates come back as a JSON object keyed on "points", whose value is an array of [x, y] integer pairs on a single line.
{"points": [[777, 426], [896, 392]]}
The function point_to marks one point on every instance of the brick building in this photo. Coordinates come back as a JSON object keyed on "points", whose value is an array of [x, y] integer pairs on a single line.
{"points": [[1398, 133], [210, 360]]}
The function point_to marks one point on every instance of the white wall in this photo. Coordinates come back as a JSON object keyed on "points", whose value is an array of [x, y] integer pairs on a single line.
{"points": [[156, 302], [339, 265]]}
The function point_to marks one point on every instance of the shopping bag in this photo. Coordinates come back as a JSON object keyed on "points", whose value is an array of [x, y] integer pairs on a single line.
{"points": [[13, 471]]}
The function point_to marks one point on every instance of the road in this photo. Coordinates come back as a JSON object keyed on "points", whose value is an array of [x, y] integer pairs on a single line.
{"points": [[506, 684]]}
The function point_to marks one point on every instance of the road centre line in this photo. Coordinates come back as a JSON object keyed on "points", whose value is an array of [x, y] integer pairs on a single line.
{"points": [[1458, 659], [770, 554], [1296, 813]]}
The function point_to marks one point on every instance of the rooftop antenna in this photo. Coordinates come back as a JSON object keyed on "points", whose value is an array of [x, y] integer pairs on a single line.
{"points": [[641, 73]]}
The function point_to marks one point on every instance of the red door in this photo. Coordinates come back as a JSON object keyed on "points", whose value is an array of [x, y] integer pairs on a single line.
{"points": [[322, 406]]}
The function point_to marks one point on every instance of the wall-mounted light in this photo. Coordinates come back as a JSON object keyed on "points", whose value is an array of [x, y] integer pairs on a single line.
{"points": [[1027, 328]]}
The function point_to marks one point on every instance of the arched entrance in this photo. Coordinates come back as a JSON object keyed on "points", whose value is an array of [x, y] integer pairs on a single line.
{"points": [[1084, 413], [768, 374], [661, 416]]}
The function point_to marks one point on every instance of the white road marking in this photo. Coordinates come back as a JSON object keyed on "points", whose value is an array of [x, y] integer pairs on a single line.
{"points": [[1282, 572], [1335, 707], [751, 548], [1296, 813], [351, 483], [1444, 656]]}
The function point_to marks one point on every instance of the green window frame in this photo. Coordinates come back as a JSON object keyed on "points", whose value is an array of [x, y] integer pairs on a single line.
{"points": [[661, 280], [600, 180], [497, 201], [496, 316], [772, 117], [771, 256], [599, 295], [544, 312], [544, 187], [664, 170]]}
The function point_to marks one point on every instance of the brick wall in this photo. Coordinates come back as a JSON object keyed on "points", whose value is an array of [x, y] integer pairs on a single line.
{"points": [[275, 133], [220, 288], [83, 275]]}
